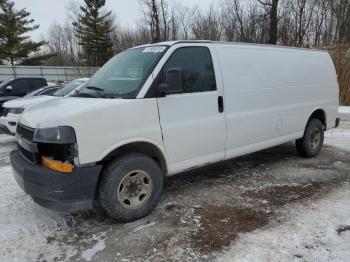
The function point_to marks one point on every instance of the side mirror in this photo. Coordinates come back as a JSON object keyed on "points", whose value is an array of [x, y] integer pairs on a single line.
{"points": [[9, 88], [172, 82]]}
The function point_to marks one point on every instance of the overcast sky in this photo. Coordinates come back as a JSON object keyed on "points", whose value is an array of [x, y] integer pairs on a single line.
{"points": [[127, 11]]}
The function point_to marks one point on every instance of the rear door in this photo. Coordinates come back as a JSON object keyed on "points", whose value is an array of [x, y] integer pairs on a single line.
{"points": [[193, 122]]}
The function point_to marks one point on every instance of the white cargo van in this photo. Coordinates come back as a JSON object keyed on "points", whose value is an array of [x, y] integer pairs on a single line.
{"points": [[157, 110]]}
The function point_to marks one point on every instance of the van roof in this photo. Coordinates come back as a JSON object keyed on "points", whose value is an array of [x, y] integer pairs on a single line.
{"points": [[171, 43]]}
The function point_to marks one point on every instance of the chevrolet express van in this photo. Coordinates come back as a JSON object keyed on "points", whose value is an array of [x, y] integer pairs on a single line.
{"points": [[158, 110]]}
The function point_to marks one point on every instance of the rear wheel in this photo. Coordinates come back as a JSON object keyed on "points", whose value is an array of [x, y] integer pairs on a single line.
{"points": [[130, 187], [311, 143]]}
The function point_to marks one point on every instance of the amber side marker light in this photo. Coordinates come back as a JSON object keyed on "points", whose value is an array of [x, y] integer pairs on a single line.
{"points": [[57, 165]]}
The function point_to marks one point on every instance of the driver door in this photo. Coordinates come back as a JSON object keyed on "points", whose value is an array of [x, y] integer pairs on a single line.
{"points": [[192, 120]]}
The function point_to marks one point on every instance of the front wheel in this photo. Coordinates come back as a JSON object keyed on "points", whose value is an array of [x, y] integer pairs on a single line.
{"points": [[130, 187], [311, 143]]}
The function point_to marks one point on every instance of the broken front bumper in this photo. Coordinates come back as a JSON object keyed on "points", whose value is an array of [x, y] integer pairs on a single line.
{"points": [[57, 191]]}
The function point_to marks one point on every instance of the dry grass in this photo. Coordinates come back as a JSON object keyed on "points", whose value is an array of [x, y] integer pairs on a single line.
{"points": [[342, 64]]}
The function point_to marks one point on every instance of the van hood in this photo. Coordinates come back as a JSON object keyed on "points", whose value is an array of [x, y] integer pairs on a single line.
{"points": [[64, 111], [27, 102]]}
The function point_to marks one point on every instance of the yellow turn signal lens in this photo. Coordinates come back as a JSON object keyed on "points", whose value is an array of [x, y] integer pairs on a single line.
{"points": [[57, 165]]}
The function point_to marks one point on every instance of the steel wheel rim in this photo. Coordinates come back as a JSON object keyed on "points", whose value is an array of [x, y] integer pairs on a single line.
{"points": [[315, 138], [135, 189]]}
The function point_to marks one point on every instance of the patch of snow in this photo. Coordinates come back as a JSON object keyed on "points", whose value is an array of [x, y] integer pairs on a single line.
{"points": [[24, 225], [100, 245], [344, 109], [6, 138], [7, 143], [339, 137], [143, 227], [309, 234]]}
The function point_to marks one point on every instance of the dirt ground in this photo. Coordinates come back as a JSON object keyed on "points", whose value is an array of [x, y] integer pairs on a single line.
{"points": [[202, 216]]}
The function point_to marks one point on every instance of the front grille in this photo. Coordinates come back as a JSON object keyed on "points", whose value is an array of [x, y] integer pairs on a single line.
{"points": [[25, 132], [30, 156]]}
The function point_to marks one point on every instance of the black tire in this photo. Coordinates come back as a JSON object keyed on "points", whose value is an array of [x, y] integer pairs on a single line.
{"points": [[306, 146], [116, 172]]}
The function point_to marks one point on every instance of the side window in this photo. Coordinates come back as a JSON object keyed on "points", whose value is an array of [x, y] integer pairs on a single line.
{"points": [[20, 86], [36, 83], [196, 66], [49, 91]]}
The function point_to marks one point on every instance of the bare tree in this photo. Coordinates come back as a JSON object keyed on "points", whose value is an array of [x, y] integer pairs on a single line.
{"points": [[272, 6], [61, 42], [207, 26], [185, 16], [341, 9], [303, 11], [125, 38], [233, 21], [151, 13], [164, 11]]}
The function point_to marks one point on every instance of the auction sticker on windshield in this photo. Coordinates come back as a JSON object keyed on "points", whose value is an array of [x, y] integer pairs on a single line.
{"points": [[154, 49]]}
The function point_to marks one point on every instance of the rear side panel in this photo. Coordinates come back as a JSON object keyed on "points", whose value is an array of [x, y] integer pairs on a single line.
{"points": [[270, 94]]}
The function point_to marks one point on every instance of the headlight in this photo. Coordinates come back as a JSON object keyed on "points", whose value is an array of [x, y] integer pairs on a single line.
{"points": [[55, 135], [15, 111]]}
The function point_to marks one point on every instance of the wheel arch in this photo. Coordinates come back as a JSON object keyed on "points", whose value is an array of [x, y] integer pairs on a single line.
{"points": [[319, 114], [141, 146]]}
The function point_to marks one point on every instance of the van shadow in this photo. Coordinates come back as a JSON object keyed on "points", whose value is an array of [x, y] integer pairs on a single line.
{"points": [[228, 170], [221, 172], [190, 216]]}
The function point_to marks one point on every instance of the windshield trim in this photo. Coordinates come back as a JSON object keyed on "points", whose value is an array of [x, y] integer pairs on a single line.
{"points": [[148, 74]]}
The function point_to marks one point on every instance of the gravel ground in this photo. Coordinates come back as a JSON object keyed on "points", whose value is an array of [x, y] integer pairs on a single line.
{"points": [[268, 206]]}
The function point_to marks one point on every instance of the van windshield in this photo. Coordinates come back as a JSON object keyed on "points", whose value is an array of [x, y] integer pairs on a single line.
{"points": [[124, 74], [34, 93], [68, 88]]}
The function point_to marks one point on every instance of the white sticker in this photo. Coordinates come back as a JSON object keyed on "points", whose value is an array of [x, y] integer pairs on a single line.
{"points": [[154, 49]]}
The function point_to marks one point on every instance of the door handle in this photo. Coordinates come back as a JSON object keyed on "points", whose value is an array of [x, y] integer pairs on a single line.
{"points": [[221, 104]]}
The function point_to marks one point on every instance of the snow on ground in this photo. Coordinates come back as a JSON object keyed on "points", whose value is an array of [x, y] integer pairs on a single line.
{"points": [[99, 246], [340, 137], [24, 225], [309, 234], [318, 231], [344, 109], [307, 231]]}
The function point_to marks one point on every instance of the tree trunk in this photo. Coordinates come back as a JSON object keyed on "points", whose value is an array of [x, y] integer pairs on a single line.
{"points": [[165, 24], [273, 22], [155, 15]]}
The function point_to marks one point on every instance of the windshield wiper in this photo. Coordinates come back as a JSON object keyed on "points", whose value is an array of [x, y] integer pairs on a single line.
{"points": [[97, 90]]}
